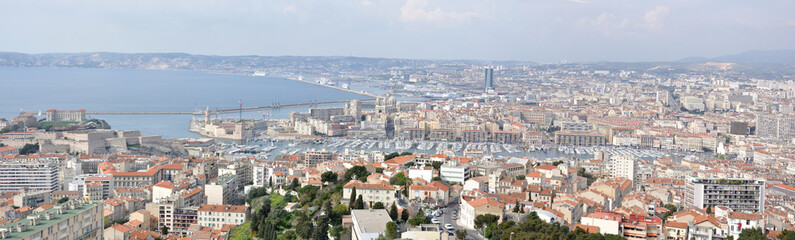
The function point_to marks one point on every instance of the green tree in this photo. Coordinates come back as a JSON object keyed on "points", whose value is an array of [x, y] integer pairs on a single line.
{"points": [[360, 172], [256, 193], [63, 200], [391, 156], [516, 207], [398, 179], [460, 234], [752, 234], [339, 211], [404, 215], [393, 213], [671, 207], [486, 220], [352, 203], [786, 235], [29, 149], [437, 165], [406, 187], [391, 230], [709, 210], [360, 202], [588, 176], [418, 219], [520, 177], [294, 184], [289, 235], [321, 231], [304, 227], [327, 208], [267, 230], [378, 205], [671, 210], [164, 230], [329, 177]]}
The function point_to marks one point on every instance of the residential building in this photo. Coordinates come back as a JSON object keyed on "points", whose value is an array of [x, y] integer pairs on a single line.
{"points": [[780, 127], [738, 221], [222, 190], [68, 220], [8, 150], [32, 199], [313, 157], [734, 193], [579, 138], [423, 172], [434, 192], [479, 206], [16, 175], [608, 222], [216, 216], [453, 171], [624, 166], [370, 192], [706, 227], [369, 224], [675, 230]]}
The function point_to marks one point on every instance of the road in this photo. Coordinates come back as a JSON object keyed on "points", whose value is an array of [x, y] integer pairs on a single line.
{"points": [[447, 217]]}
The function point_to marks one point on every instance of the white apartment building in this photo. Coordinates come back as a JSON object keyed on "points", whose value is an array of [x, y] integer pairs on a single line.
{"points": [[262, 174], [370, 193], [624, 166], [216, 216], [221, 190], [454, 172], [423, 172], [738, 221], [16, 175], [734, 193], [780, 127]]}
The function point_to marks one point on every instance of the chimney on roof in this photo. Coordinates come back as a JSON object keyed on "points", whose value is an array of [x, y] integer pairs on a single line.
{"points": [[34, 220], [21, 227]]}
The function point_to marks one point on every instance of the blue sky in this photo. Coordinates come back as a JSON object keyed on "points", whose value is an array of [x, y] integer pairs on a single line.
{"points": [[543, 30]]}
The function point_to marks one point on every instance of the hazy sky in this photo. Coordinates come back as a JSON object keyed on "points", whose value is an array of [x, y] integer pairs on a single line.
{"points": [[543, 30]]}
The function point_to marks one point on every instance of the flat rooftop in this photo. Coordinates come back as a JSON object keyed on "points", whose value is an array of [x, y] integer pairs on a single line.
{"points": [[44, 223], [372, 220]]}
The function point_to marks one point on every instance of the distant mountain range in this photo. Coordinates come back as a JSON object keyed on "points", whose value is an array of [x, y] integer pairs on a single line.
{"points": [[777, 58], [221, 63], [783, 57]]}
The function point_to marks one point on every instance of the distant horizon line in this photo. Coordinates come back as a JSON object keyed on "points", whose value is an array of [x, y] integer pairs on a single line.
{"points": [[683, 59]]}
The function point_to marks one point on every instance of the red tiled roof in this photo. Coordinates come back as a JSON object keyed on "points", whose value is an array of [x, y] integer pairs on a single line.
{"points": [[165, 184], [222, 208], [486, 201], [547, 167], [587, 228]]}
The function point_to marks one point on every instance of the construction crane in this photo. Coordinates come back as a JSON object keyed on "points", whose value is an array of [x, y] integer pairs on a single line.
{"points": [[268, 114]]}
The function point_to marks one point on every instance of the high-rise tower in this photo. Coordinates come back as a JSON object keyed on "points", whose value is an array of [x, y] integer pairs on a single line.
{"points": [[489, 79]]}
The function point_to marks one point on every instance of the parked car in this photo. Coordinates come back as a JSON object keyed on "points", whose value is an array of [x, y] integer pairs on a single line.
{"points": [[435, 221], [449, 227]]}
